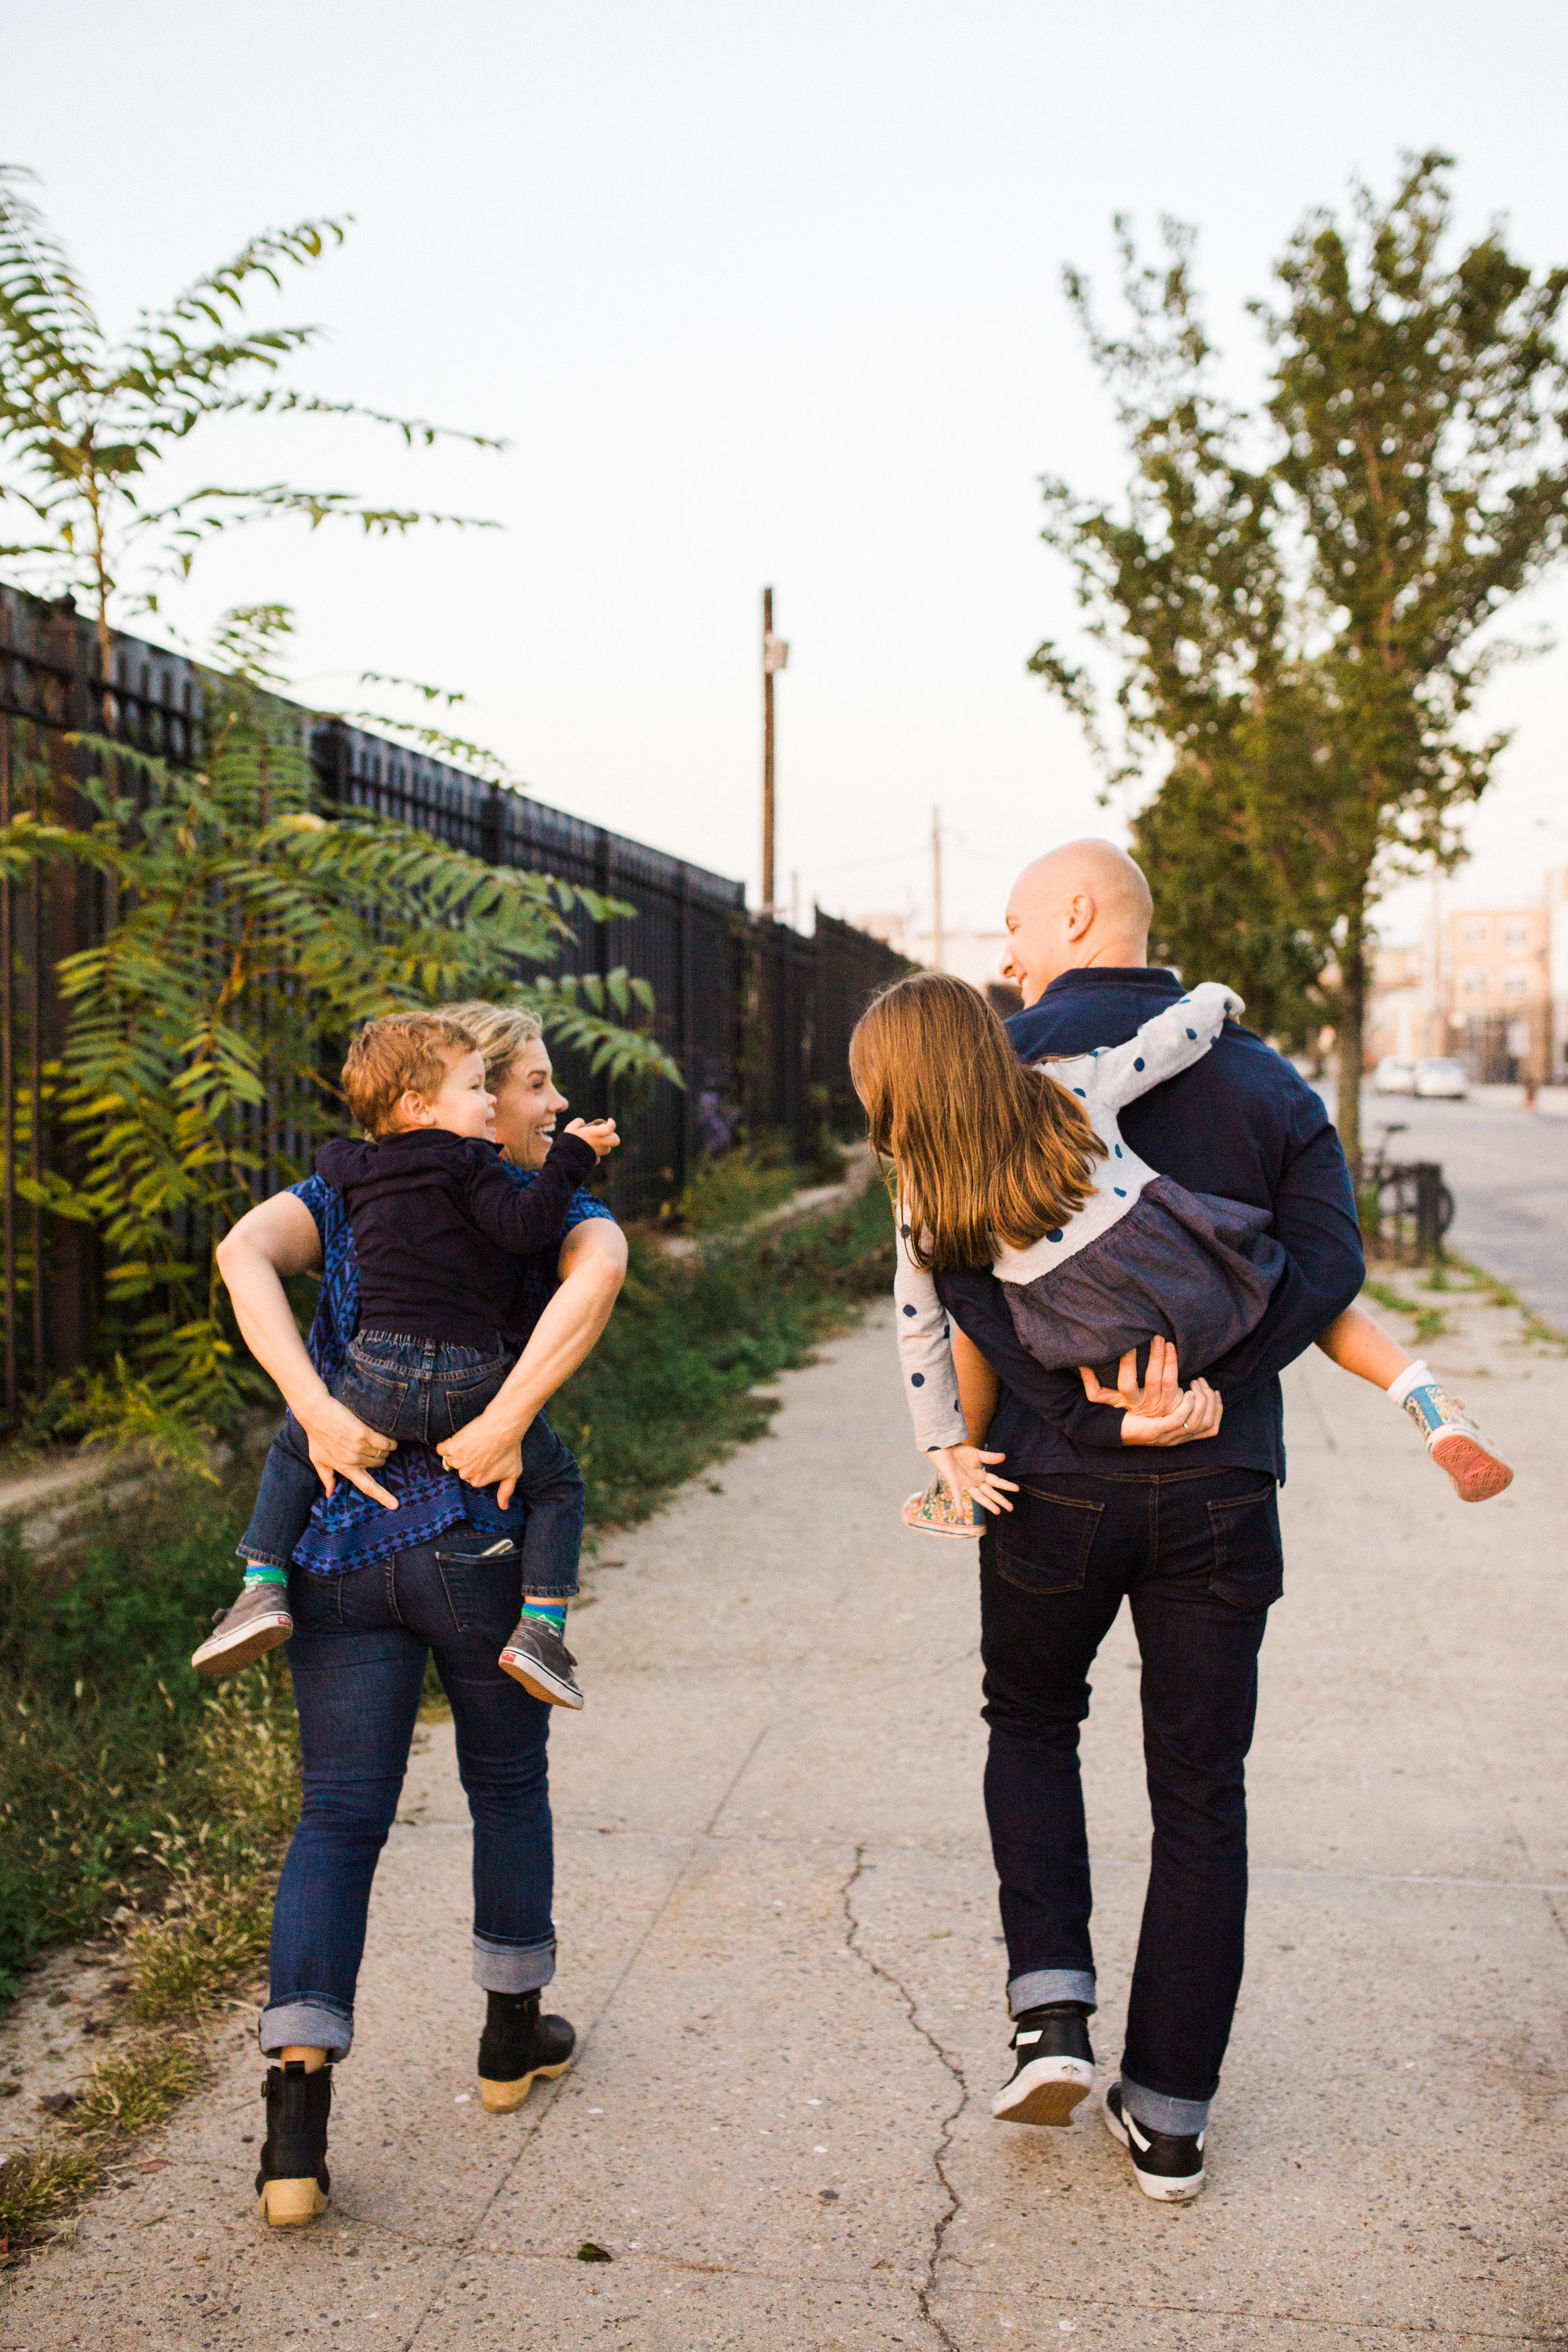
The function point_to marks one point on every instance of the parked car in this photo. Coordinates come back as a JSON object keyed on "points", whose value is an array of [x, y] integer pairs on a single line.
{"points": [[1394, 1075], [1439, 1077]]}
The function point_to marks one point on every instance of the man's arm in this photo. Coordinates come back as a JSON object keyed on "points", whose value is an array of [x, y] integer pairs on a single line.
{"points": [[1315, 1221], [592, 1267], [274, 1240]]}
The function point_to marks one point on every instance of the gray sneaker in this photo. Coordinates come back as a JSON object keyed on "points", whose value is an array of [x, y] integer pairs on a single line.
{"points": [[536, 1657], [258, 1622]]}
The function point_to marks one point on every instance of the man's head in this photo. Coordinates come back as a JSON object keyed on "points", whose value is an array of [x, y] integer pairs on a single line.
{"points": [[418, 1069], [1085, 903]]}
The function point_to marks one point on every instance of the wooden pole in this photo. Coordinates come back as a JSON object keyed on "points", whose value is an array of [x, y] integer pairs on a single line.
{"points": [[938, 949], [767, 753]]}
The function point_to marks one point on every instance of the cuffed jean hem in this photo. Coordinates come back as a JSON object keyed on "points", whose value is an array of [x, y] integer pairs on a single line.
{"points": [[253, 1558], [512, 1968], [305, 2025], [1037, 1986], [552, 1591], [1157, 2112]]}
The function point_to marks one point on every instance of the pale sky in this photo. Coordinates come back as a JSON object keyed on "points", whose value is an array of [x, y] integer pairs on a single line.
{"points": [[757, 294]]}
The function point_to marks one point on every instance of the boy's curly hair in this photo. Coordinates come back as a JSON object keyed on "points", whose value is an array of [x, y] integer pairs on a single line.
{"points": [[404, 1053]]}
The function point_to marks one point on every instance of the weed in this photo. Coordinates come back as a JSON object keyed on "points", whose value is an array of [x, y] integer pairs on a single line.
{"points": [[39, 2183], [1386, 1296], [136, 2087], [729, 1192], [1430, 1324]]}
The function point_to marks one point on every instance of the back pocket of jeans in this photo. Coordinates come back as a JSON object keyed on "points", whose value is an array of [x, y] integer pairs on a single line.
{"points": [[1249, 1558], [1044, 1543], [459, 1403], [372, 1395], [483, 1587]]}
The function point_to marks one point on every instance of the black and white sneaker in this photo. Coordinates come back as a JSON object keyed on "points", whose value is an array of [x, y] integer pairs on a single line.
{"points": [[258, 1622], [1167, 2165], [536, 1657], [1055, 2067]]}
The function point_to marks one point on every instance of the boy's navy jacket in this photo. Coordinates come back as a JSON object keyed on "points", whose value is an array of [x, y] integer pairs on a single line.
{"points": [[439, 1227], [1241, 1122]]}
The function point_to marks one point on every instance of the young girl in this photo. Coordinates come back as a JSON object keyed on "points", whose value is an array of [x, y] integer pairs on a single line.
{"points": [[1097, 1253]]}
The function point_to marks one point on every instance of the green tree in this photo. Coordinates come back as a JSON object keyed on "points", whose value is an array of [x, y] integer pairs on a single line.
{"points": [[251, 933], [1301, 600], [87, 420]]}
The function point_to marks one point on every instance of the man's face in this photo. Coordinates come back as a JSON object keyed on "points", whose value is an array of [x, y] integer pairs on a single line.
{"points": [[1039, 946]]}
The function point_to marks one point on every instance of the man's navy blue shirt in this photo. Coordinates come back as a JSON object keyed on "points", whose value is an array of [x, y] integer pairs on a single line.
{"points": [[1241, 1122]]}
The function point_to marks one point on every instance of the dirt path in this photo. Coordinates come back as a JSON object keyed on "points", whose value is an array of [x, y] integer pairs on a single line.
{"points": [[780, 1944]]}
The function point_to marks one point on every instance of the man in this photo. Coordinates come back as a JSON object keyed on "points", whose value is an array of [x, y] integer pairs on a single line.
{"points": [[1106, 1509]]}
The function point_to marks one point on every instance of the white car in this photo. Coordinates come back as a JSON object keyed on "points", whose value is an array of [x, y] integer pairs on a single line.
{"points": [[1394, 1075], [1444, 1078]]}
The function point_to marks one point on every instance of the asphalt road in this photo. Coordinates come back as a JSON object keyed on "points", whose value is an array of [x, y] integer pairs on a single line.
{"points": [[1508, 1170]]}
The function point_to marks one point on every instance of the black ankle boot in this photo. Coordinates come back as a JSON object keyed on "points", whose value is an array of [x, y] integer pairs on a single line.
{"points": [[293, 2183], [516, 2045]]}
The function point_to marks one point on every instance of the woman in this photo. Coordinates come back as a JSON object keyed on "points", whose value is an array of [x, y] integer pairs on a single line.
{"points": [[421, 1560]]}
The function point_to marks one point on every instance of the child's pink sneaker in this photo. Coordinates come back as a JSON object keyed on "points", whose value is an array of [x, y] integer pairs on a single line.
{"points": [[1456, 1444], [935, 1513]]}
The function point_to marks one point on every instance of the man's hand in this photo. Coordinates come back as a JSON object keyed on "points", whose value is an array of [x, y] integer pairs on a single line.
{"points": [[342, 1447], [486, 1452], [963, 1471], [1157, 1410], [600, 1132]]}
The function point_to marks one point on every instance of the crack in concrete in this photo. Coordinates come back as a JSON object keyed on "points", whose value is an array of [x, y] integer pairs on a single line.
{"points": [[945, 2221]]}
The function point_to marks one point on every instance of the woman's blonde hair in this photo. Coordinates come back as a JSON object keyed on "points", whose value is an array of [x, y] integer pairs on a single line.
{"points": [[502, 1033], [983, 1149]]}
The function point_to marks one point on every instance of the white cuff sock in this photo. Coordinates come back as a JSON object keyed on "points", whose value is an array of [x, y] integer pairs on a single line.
{"points": [[1415, 1376]]}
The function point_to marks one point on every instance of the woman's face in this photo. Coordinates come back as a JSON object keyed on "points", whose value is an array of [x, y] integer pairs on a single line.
{"points": [[528, 1102]]}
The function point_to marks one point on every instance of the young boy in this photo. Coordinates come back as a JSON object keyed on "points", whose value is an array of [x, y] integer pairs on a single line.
{"points": [[438, 1227]]}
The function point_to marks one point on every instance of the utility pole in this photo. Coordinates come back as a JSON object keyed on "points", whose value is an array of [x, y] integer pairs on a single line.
{"points": [[937, 949], [775, 656]]}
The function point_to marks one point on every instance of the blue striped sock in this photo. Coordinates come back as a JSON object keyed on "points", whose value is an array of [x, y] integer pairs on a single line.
{"points": [[547, 1613]]}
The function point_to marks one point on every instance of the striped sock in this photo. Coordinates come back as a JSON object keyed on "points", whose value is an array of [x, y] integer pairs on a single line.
{"points": [[256, 1573], [546, 1613]]}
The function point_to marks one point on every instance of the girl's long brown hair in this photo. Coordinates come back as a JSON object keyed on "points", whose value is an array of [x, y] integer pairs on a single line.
{"points": [[983, 1149]]}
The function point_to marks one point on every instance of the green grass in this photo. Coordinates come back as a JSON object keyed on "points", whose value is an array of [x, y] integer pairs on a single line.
{"points": [[668, 1388]]}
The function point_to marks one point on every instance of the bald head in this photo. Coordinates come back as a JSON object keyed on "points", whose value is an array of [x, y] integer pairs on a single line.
{"points": [[1085, 903]]}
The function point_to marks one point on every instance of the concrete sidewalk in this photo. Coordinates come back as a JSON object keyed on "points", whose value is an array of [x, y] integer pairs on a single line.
{"points": [[780, 1944]]}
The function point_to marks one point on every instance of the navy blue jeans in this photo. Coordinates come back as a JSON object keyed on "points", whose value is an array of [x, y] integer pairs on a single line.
{"points": [[545, 1512], [1196, 1555], [357, 1657]]}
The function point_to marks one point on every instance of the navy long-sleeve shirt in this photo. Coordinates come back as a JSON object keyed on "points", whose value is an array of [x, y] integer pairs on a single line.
{"points": [[1242, 1123], [439, 1226]]}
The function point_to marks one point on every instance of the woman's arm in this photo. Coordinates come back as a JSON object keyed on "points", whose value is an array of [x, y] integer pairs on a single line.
{"points": [[278, 1238], [592, 1267]]}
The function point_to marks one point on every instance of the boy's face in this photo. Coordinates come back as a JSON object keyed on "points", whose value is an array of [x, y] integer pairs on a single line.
{"points": [[460, 1104]]}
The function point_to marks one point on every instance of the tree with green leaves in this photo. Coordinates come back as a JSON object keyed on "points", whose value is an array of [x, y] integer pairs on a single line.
{"points": [[1299, 600], [252, 934], [87, 419]]}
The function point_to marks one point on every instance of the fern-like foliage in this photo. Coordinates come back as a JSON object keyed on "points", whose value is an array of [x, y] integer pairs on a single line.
{"points": [[252, 934], [88, 418]]}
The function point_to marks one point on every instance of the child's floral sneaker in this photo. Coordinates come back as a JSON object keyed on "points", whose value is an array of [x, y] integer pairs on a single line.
{"points": [[935, 1513], [1453, 1441]]}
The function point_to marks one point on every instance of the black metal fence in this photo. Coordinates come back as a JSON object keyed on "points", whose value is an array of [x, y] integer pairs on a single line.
{"points": [[755, 1016]]}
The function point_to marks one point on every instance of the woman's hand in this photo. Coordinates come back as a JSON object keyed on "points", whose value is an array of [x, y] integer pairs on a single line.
{"points": [[963, 1471], [1157, 1410], [342, 1447], [488, 1451]]}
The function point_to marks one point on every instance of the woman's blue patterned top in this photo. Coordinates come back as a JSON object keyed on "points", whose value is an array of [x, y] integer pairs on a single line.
{"points": [[347, 1529]]}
